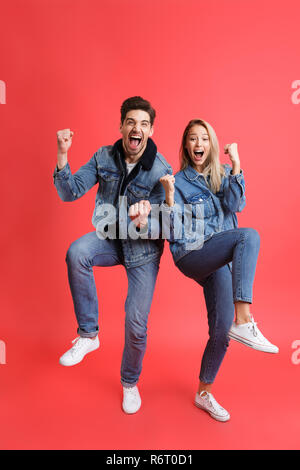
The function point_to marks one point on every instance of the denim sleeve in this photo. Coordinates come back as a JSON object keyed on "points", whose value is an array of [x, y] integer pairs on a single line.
{"points": [[232, 192], [71, 187]]}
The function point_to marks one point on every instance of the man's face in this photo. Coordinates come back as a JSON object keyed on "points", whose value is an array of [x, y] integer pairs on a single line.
{"points": [[135, 130]]}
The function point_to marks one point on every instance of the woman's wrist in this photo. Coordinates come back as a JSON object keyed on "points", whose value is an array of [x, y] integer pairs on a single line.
{"points": [[170, 199], [236, 168]]}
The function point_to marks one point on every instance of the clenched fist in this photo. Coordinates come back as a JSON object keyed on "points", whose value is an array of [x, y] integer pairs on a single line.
{"points": [[64, 140], [168, 182], [139, 212], [232, 151]]}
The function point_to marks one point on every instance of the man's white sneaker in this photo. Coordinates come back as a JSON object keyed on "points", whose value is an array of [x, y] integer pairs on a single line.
{"points": [[81, 347], [207, 402], [249, 334], [131, 400]]}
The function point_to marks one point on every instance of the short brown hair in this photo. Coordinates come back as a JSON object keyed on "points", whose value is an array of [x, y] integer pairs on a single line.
{"points": [[137, 102]]}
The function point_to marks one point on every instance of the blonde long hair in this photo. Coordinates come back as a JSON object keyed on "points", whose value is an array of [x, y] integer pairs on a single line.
{"points": [[212, 166]]}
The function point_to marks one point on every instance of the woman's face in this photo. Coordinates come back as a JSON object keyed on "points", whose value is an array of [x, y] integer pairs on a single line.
{"points": [[198, 146]]}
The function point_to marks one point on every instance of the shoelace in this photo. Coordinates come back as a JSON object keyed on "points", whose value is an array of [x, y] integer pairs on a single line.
{"points": [[212, 402], [77, 344], [253, 327], [256, 331], [130, 390]]}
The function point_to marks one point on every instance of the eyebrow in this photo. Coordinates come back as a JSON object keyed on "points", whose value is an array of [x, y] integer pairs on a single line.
{"points": [[201, 134], [144, 120]]}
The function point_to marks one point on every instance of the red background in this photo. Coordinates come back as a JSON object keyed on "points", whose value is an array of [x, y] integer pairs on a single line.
{"points": [[70, 63]]}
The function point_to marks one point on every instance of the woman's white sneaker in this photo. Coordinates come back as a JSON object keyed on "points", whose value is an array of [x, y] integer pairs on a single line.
{"points": [[82, 346], [250, 335], [207, 402], [131, 400]]}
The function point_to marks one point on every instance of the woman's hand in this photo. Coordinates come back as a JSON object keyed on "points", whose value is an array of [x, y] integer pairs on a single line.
{"points": [[168, 183], [232, 151]]}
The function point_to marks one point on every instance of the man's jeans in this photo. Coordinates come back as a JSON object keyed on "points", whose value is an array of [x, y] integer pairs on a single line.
{"points": [[89, 251], [209, 267]]}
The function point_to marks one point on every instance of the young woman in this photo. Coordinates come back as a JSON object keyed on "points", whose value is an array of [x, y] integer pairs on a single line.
{"points": [[217, 255]]}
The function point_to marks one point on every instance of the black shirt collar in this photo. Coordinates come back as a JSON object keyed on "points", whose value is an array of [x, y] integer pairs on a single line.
{"points": [[148, 157]]}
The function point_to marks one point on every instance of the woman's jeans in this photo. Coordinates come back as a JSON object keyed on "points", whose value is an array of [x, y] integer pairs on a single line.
{"points": [[89, 251], [209, 267]]}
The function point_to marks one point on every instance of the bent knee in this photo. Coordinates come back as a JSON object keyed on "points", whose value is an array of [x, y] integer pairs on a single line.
{"points": [[252, 235], [136, 330], [76, 254]]}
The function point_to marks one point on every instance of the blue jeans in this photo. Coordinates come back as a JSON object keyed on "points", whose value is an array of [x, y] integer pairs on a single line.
{"points": [[209, 267], [89, 251]]}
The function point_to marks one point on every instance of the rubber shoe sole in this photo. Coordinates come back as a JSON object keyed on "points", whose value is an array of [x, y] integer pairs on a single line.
{"points": [[222, 419], [255, 346], [80, 358]]}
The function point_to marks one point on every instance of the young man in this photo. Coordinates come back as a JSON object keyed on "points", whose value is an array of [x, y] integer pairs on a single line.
{"points": [[128, 174]]}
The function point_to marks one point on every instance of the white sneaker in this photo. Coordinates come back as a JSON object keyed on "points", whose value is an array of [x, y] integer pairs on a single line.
{"points": [[249, 334], [81, 347], [131, 400], [207, 402]]}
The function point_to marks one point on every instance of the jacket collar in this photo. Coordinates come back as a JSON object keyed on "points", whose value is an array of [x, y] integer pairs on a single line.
{"points": [[148, 157], [190, 173]]}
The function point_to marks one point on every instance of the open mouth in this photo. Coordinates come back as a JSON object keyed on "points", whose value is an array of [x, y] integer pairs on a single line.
{"points": [[134, 141], [198, 154]]}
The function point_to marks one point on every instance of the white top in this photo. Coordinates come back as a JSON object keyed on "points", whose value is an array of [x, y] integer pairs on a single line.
{"points": [[130, 166]]}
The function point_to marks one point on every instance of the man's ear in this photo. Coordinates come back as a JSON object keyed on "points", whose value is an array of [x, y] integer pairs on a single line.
{"points": [[151, 131]]}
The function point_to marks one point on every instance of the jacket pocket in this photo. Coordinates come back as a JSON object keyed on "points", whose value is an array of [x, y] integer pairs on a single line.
{"points": [[108, 183], [137, 192], [205, 200]]}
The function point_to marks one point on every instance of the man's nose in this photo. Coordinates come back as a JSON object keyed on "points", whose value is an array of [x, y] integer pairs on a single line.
{"points": [[136, 127]]}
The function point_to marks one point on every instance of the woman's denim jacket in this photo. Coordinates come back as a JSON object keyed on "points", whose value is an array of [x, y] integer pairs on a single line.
{"points": [[106, 169], [199, 213]]}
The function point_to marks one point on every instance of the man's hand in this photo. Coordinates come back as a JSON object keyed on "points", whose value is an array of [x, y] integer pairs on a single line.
{"points": [[232, 151], [139, 212], [168, 183], [64, 142]]}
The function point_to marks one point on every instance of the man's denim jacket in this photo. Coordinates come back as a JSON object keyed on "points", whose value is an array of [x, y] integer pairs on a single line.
{"points": [[106, 168], [199, 213]]}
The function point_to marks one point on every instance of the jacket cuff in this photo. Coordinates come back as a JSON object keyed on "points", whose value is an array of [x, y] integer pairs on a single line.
{"points": [[63, 173], [239, 179], [239, 176], [166, 207]]}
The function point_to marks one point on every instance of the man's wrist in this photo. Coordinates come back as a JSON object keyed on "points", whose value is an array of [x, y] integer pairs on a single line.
{"points": [[62, 160], [170, 199]]}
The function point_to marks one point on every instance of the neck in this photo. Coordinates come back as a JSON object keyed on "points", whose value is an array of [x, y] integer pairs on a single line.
{"points": [[198, 168]]}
